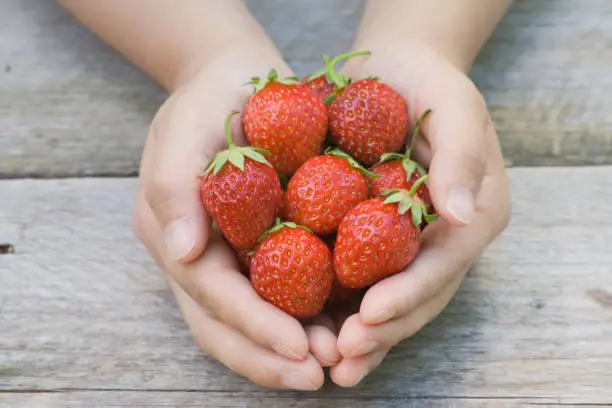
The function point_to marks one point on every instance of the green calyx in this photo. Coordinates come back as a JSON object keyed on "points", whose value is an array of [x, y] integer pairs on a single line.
{"points": [[339, 81], [408, 164], [406, 200], [332, 151], [259, 84], [234, 154], [278, 225]]}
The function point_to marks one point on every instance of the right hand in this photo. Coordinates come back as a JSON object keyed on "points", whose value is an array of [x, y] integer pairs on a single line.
{"points": [[227, 318]]}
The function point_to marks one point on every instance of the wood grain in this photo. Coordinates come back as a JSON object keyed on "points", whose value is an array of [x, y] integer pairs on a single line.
{"points": [[107, 399], [69, 106], [84, 310]]}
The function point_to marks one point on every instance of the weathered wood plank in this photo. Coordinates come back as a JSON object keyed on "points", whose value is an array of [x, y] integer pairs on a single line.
{"points": [[70, 106], [83, 307], [106, 399]]}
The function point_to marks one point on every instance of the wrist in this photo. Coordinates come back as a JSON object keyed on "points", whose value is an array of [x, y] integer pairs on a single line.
{"points": [[455, 30]]}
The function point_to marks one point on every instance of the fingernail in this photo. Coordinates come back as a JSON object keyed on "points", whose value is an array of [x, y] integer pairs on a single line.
{"points": [[179, 238], [365, 347], [298, 381], [287, 351], [460, 203]]}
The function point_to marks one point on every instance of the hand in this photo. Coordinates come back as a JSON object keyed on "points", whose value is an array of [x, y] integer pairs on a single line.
{"points": [[225, 315], [469, 189]]}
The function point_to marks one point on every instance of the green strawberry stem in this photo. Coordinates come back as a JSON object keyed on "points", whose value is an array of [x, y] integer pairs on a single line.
{"points": [[228, 133], [416, 131], [330, 67], [234, 154], [417, 184], [339, 81], [408, 164], [332, 151]]}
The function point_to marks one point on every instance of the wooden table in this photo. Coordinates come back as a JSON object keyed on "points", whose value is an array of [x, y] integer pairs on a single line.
{"points": [[86, 319]]}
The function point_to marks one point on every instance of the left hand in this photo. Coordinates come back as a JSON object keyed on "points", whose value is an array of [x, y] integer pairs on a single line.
{"points": [[469, 188]]}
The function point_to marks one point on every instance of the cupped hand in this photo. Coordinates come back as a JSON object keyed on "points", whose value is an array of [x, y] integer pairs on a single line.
{"points": [[227, 318], [469, 189]]}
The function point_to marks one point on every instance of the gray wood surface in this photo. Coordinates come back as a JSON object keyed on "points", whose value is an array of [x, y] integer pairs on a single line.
{"points": [[106, 399], [87, 320], [70, 106]]}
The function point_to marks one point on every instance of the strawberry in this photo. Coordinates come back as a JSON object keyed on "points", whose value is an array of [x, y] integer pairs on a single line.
{"points": [[321, 81], [244, 259], [241, 192], [287, 119], [367, 118], [292, 269], [341, 294], [379, 237], [282, 208], [397, 170], [324, 189]]}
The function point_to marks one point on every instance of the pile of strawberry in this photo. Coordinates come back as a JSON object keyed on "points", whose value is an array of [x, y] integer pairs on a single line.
{"points": [[326, 200]]}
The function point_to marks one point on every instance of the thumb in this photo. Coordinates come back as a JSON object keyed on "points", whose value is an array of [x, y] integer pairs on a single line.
{"points": [[458, 140], [171, 179]]}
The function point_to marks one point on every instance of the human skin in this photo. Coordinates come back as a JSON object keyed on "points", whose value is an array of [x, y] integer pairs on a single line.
{"points": [[202, 52]]}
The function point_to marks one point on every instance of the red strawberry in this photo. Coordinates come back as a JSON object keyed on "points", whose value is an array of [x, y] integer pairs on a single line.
{"points": [[287, 119], [241, 192], [321, 82], [282, 208], [368, 118], [397, 170], [341, 294], [319, 86], [244, 258], [324, 189], [379, 237], [292, 269]]}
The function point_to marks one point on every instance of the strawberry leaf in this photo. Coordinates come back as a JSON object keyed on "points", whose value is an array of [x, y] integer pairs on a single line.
{"points": [[331, 151], [429, 218], [255, 154], [315, 75], [236, 158], [278, 225], [417, 214], [329, 99], [404, 206], [409, 167], [390, 156]]}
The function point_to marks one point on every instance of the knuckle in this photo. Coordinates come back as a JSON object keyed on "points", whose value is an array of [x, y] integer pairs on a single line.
{"points": [[161, 189], [267, 374]]}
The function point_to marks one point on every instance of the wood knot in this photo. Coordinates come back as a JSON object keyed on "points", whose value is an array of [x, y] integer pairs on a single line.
{"points": [[6, 249]]}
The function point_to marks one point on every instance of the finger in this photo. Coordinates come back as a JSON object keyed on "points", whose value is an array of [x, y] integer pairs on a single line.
{"points": [[214, 282], [457, 131], [239, 354], [446, 252], [322, 338], [357, 338], [185, 139], [351, 371]]}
